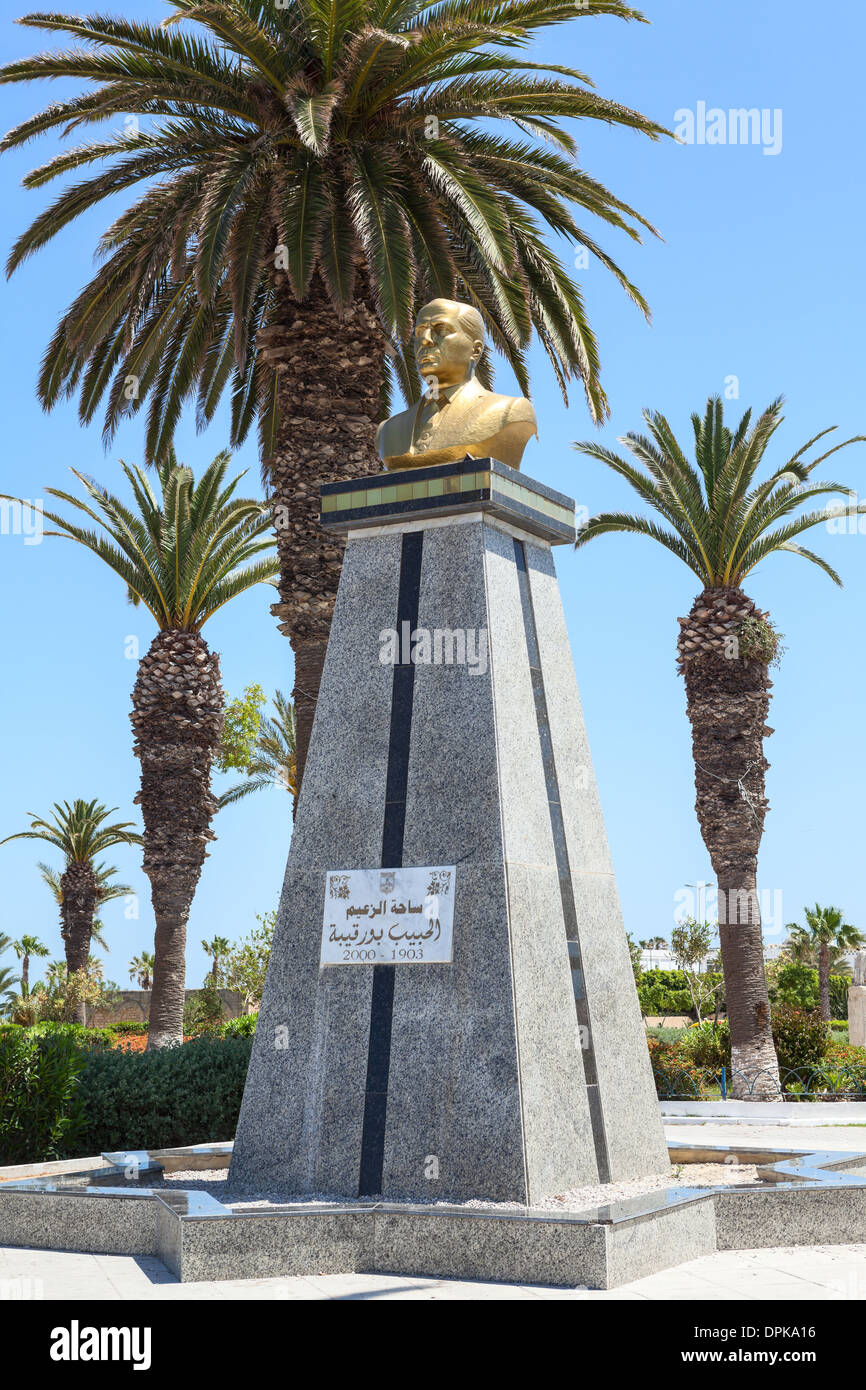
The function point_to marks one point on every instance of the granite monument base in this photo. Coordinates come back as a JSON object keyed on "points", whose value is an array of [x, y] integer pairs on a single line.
{"points": [[448, 732]]}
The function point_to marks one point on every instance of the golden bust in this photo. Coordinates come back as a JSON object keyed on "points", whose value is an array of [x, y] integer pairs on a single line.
{"points": [[456, 416]]}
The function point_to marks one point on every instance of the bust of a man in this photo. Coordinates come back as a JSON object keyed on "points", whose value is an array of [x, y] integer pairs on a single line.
{"points": [[456, 415]]}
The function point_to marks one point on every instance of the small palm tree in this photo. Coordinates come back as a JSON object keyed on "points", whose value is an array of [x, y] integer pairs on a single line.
{"points": [[274, 762], [7, 979], [80, 832], [821, 942], [216, 949], [141, 969], [183, 552], [314, 171], [25, 948], [106, 891], [721, 522]]}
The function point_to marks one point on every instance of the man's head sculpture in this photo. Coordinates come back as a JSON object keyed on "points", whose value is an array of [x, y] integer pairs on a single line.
{"points": [[456, 416]]}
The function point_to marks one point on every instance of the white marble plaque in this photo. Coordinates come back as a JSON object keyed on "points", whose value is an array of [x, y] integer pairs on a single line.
{"points": [[389, 916]]}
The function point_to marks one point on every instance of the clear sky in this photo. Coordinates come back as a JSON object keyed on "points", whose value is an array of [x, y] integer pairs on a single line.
{"points": [[759, 277]]}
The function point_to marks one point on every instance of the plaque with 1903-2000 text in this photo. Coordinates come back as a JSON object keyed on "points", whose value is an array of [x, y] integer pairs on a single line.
{"points": [[389, 916]]}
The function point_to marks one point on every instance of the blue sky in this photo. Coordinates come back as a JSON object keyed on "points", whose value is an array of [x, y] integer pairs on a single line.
{"points": [[759, 278]]}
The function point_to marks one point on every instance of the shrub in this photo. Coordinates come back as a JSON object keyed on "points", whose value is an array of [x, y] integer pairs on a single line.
{"points": [[155, 1100], [795, 985], [658, 998], [675, 1076], [203, 1013], [126, 1026], [40, 1108], [801, 1037], [708, 1045], [89, 1038], [839, 996], [243, 1027]]}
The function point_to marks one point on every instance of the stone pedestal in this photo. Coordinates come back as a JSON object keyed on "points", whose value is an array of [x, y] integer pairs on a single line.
{"points": [[519, 1069], [857, 1002]]}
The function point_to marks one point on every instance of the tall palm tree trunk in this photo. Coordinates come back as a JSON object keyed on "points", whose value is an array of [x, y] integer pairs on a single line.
{"points": [[177, 720], [728, 698], [329, 388], [79, 887], [824, 979]]}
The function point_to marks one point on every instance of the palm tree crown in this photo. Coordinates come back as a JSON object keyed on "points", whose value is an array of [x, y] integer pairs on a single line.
{"points": [[185, 553], [722, 522], [320, 138], [79, 831], [824, 927], [141, 969]]}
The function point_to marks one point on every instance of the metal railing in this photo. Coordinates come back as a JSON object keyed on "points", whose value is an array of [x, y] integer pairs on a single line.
{"points": [[820, 1082]]}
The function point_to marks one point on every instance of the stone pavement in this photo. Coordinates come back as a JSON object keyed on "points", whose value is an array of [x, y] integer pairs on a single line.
{"points": [[826, 1273]]}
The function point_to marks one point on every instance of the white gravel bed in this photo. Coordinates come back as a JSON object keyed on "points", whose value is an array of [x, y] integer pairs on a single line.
{"points": [[214, 1181]]}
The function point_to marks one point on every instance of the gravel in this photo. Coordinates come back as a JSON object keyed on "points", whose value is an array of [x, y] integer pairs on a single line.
{"points": [[215, 1180]]}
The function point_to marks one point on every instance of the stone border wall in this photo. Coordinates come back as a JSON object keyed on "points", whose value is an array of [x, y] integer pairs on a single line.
{"points": [[134, 1006]]}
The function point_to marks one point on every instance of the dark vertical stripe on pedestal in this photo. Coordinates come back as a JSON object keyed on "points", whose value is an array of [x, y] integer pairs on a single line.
{"points": [[382, 1004], [563, 868]]}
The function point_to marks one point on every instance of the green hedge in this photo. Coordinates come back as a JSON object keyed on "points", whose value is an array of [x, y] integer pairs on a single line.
{"points": [[41, 1115], [98, 1039], [243, 1027], [666, 992], [157, 1100]]}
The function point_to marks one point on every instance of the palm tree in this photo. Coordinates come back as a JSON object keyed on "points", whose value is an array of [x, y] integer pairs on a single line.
{"points": [[106, 891], [316, 171], [183, 554], [216, 949], [274, 761], [7, 978], [80, 832], [25, 948], [721, 522], [821, 942], [141, 969]]}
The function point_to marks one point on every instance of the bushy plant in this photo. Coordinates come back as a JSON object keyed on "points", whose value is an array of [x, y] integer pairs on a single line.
{"points": [[663, 992], [245, 966], [203, 1013], [41, 1115], [796, 985], [153, 1100], [90, 1038], [708, 1045], [126, 1026], [675, 1076], [839, 996], [801, 1037], [243, 1027]]}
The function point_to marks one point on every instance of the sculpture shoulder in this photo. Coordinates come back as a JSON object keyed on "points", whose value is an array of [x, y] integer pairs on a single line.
{"points": [[508, 410], [394, 434]]}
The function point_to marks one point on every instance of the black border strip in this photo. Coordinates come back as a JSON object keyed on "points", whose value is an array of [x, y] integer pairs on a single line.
{"points": [[397, 779], [563, 867]]}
